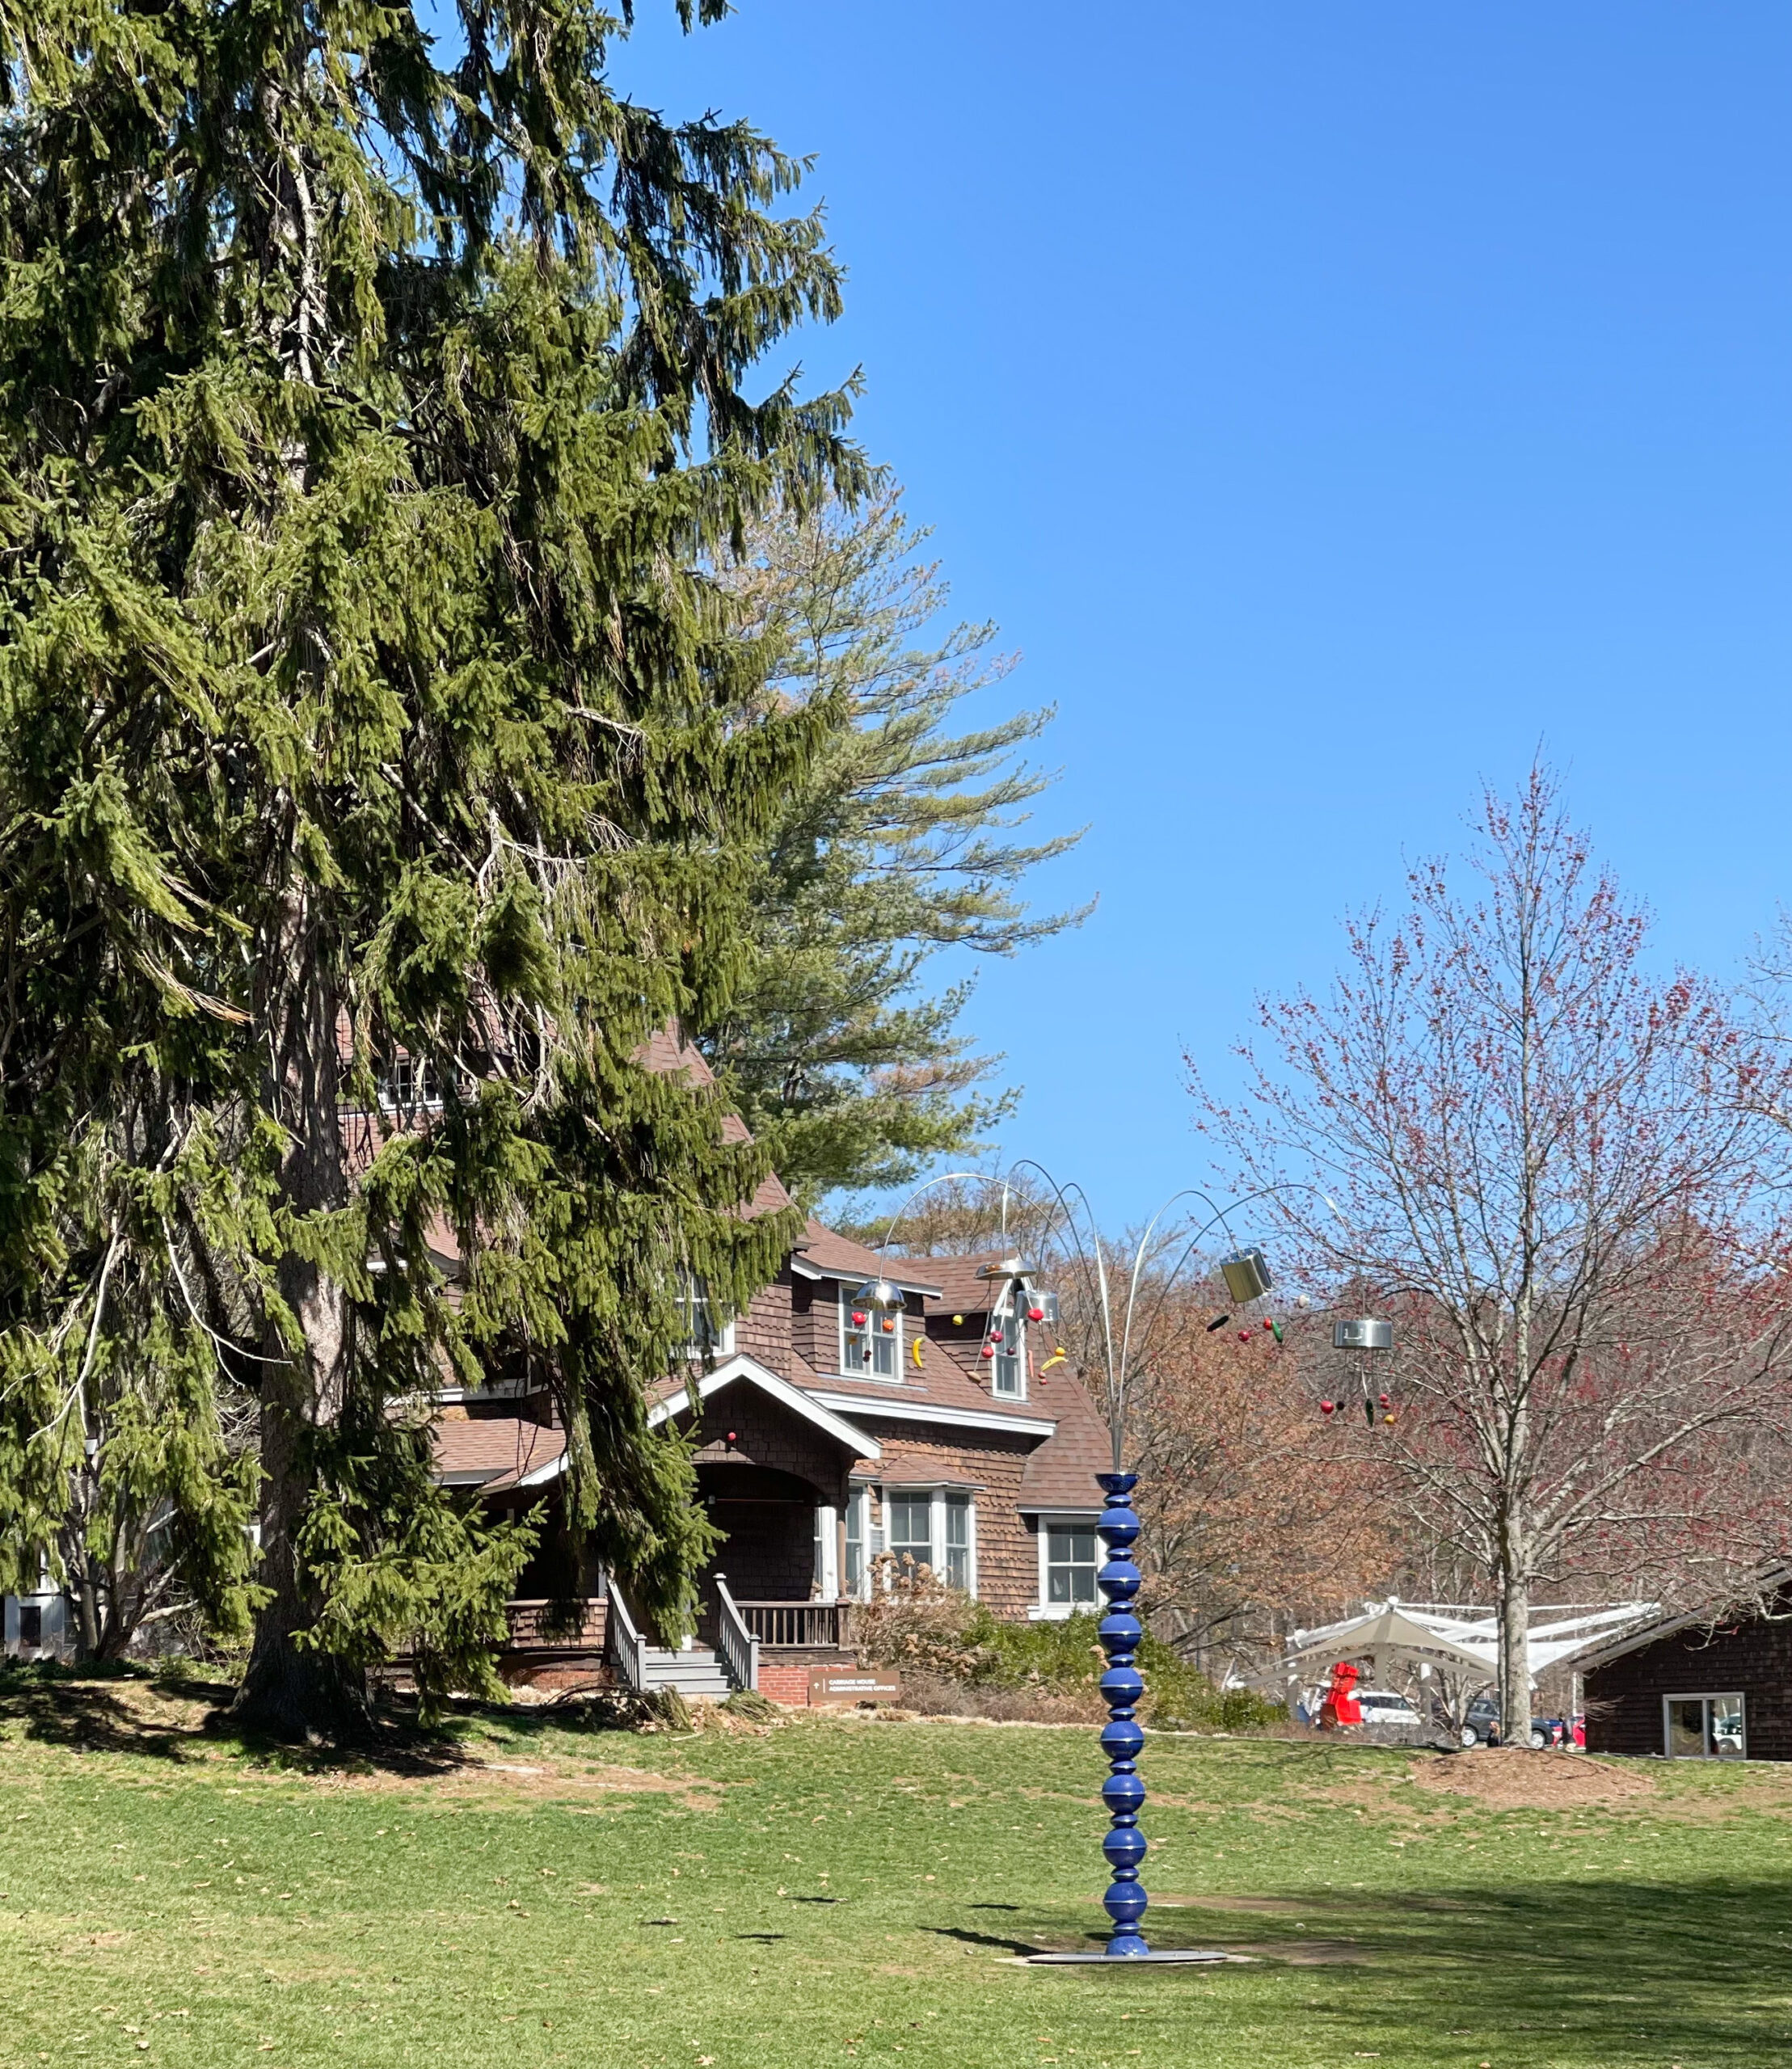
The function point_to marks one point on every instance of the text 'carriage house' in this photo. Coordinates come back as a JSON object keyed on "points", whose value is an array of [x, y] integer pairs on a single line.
{"points": [[944, 1429]]}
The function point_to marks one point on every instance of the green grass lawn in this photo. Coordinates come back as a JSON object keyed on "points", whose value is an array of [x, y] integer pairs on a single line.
{"points": [[840, 1890]]}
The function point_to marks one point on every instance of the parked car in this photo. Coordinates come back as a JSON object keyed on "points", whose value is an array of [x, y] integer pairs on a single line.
{"points": [[1382, 1706], [1481, 1724]]}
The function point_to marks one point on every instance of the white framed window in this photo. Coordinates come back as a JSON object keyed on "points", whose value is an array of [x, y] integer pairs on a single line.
{"points": [[1705, 1727], [959, 1565], [706, 1335], [870, 1342], [909, 1526], [409, 1082], [1008, 1369], [935, 1526], [858, 1543], [1070, 1556]]}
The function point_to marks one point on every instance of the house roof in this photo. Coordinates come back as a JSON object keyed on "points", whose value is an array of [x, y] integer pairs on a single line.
{"points": [[971, 1284], [676, 1399], [494, 1452], [832, 1256], [1062, 1474], [1774, 1581]]}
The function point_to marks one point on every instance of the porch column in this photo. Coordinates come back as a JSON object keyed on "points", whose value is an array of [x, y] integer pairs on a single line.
{"points": [[827, 1538]]}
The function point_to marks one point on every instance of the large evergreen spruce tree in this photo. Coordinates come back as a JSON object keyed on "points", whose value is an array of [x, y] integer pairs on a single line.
{"points": [[902, 841], [367, 417]]}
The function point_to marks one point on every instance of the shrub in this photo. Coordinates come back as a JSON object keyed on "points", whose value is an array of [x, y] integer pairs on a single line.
{"points": [[916, 1623]]}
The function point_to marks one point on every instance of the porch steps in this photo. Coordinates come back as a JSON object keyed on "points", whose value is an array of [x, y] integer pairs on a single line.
{"points": [[697, 1674]]}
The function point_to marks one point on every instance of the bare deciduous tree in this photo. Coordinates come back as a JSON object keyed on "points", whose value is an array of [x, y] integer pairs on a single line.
{"points": [[1554, 1170]]}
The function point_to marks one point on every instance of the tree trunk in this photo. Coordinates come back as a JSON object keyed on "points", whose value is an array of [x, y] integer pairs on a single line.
{"points": [[1514, 1651], [292, 1693]]}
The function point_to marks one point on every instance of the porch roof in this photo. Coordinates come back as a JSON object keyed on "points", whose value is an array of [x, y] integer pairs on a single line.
{"points": [[495, 1452], [740, 1367]]}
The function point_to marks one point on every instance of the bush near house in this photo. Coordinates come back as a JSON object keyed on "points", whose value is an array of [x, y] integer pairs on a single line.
{"points": [[955, 1653]]}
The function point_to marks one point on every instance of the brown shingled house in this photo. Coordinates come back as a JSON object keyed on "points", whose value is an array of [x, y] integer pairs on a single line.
{"points": [[946, 1431]]}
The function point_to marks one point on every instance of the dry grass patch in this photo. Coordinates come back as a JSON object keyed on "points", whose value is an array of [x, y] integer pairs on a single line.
{"points": [[1513, 1778]]}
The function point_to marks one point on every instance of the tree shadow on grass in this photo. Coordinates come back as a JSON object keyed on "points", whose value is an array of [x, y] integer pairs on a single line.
{"points": [[1699, 1969], [91, 1714], [110, 1709]]}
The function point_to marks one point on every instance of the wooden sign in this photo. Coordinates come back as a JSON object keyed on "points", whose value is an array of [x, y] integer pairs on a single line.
{"points": [[867, 1684]]}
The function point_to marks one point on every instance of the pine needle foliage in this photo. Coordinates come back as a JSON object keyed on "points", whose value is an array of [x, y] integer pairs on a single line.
{"points": [[368, 418], [904, 841]]}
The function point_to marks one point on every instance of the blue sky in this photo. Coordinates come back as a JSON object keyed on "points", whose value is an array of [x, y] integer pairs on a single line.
{"points": [[1331, 403]]}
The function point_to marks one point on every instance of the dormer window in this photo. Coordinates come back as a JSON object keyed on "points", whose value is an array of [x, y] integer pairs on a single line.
{"points": [[1008, 1368], [706, 1335], [871, 1341]]}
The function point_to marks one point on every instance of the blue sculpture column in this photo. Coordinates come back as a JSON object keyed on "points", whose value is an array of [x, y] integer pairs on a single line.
{"points": [[1121, 1688]]}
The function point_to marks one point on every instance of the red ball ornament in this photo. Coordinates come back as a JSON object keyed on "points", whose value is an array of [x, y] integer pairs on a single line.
{"points": [[1328, 1407], [1244, 1336], [730, 1436], [858, 1319], [1385, 1402], [1268, 1323], [989, 1350], [889, 1324], [1035, 1314]]}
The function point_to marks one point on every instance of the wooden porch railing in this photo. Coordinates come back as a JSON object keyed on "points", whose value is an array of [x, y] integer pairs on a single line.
{"points": [[531, 1628], [624, 1643], [825, 1625], [735, 1645]]}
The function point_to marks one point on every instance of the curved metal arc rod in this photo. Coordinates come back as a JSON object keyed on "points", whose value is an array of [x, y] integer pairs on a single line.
{"points": [[1218, 1220], [1100, 1275], [945, 1178]]}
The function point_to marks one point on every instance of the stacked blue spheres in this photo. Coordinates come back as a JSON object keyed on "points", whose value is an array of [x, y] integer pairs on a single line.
{"points": [[1121, 1688]]}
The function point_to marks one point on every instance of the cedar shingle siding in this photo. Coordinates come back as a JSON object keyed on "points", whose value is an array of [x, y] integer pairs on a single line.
{"points": [[1753, 1654]]}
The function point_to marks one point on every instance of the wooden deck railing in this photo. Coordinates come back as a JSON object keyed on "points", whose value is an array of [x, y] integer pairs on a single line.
{"points": [[823, 1625]]}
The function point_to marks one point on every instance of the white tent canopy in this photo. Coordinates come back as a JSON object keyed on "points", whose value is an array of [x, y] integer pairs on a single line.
{"points": [[1455, 1638]]}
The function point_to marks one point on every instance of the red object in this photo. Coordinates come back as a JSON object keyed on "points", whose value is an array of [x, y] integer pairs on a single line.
{"points": [[1327, 1407], [1385, 1403], [1244, 1336], [730, 1436], [1035, 1314], [1268, 1323], [1338, 1706], [989, 1350], [889, 1324], [858, 1320], [1580, 1733]]}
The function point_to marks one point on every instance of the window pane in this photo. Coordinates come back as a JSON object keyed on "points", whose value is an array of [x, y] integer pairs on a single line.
{"points": [[1010, 1377], [958, 1567], [1082, 1584], [1726, 1739], [958, 1520], [1686, 1728], [911, 1527], [1057, 1584]]}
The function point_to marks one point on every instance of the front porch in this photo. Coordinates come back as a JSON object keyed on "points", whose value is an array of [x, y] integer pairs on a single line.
{"points": [[774, 1474]]}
